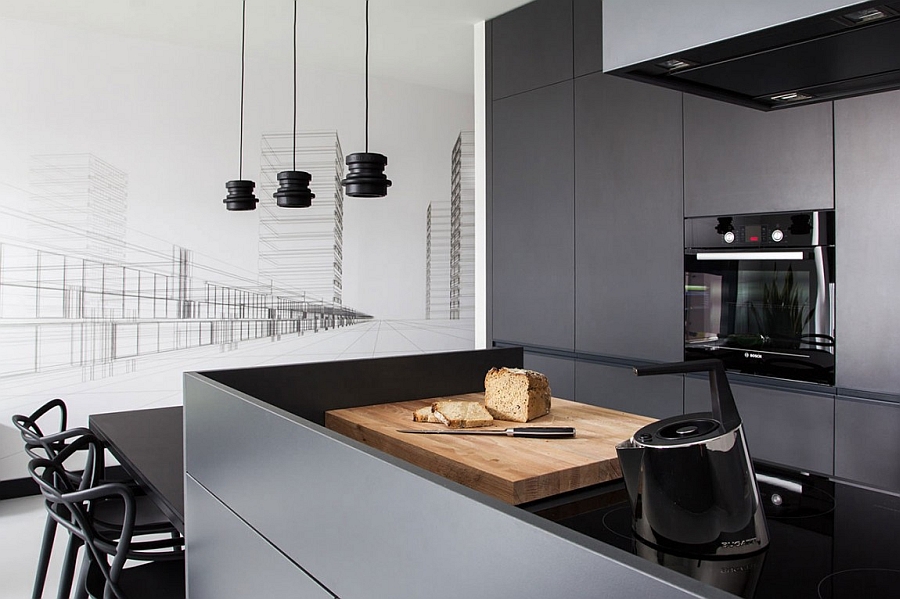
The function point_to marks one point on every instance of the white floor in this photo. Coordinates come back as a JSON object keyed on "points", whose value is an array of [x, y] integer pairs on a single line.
{"points": [[21, 527], [156, 382]]}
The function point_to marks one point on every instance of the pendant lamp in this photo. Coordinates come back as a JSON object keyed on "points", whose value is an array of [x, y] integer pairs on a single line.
{"points": [[293, 186], [366, 178], [240, 191]]}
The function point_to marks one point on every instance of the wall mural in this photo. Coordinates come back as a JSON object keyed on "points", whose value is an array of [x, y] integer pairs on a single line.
{"points": [[120, 267]]}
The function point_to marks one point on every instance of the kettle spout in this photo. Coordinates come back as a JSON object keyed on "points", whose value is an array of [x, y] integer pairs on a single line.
{"points": [[630, 458]]}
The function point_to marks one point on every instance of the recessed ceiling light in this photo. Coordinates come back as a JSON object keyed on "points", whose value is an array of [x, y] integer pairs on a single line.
{"points": [[867, 15], [676, 64], [790, 97]]}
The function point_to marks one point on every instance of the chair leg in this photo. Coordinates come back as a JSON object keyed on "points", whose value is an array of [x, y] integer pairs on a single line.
{"points": [[68, 569], [40, 576], [80, 588]]}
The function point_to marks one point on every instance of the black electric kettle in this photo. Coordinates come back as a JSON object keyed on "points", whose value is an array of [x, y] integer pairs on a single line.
{"points": [[690, 479]]}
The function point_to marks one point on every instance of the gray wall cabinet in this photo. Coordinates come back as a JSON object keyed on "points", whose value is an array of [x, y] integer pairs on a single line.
{"points": [[795, 429], [738, 160], [532, 47], [628, 255], [617, 388], [533, 282], [867, 183], [605, 169], [867, 445]]}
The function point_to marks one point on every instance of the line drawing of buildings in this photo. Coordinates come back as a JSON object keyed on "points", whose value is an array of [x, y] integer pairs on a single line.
{"points": [[69, 300], [301, 249], [86, 193], [59, 311], [462, 228], [437, 261]]}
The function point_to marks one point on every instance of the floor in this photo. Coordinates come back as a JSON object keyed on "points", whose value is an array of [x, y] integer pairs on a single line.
{"points": [[21, 526], [156, 383]]}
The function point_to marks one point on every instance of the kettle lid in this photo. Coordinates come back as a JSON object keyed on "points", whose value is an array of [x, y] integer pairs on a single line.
{"points": [[688, 429]]}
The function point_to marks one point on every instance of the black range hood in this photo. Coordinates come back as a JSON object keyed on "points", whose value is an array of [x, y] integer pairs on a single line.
{"points": [[839, 54]]}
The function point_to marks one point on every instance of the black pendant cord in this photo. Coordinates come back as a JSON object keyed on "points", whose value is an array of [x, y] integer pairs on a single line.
{"points": [[367, 76], [243, 42], [293, 185], [366, 178], [240, 192], [295, 86]]}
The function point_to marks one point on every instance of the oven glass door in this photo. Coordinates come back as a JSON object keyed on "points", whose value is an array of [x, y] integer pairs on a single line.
{"points": [[765, 313]]}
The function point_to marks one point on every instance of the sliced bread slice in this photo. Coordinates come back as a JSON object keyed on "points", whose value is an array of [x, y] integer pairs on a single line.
{"points": [[462, 414], [426, 414]]}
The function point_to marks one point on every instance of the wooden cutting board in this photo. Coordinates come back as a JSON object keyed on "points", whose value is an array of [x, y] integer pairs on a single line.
{"points": [[514, 469]]}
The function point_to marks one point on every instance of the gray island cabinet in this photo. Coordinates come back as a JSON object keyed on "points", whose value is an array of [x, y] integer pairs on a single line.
{"points": [[278, 505]]}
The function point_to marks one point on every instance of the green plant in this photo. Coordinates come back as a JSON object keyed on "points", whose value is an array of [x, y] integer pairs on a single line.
{"points": [[783, 316]]}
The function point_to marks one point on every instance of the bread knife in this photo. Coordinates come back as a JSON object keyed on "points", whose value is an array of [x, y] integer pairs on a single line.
{"points": [[541, 432]]}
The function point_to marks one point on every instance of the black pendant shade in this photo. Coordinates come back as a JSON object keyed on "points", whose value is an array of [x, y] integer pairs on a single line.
{"points": [[366, 178], [293, 190], [240, 195]]}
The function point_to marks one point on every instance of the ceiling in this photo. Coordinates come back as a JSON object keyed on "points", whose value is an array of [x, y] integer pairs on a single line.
{"points": [[429, 42]]}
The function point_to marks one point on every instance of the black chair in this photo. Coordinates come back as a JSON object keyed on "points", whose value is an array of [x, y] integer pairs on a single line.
{"points": [[42, 442], [75, 507]]}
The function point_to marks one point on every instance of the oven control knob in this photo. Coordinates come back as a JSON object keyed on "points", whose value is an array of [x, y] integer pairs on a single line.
{"points": [[777, 235], [729, 237]]}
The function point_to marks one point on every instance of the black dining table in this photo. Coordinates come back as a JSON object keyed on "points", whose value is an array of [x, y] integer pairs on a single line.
{"points": [[149, 445]]}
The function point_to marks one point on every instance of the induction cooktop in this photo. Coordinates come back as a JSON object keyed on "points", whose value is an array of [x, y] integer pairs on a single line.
{"points": [[828, 539]]}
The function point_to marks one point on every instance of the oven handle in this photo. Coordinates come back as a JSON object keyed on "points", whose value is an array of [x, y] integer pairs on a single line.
{"points": [[741, 255], [813, 339]]}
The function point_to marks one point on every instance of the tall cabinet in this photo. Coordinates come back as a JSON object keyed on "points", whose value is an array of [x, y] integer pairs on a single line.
{"points": [[586, 171], [532, 247], [867, 188], [628, 256]]}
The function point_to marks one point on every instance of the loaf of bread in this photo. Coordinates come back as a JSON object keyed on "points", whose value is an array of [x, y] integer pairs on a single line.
{"points": [[455, 414], [516, 394]]}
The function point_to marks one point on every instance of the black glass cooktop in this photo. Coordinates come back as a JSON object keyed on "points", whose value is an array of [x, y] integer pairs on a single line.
{"points": [[828, 540]]}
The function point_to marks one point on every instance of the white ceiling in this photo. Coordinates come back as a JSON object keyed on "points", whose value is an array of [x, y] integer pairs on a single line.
{"points": [[423, 41]]}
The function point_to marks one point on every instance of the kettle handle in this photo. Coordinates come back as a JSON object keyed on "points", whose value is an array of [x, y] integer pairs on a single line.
{"points": [[723, 407]]}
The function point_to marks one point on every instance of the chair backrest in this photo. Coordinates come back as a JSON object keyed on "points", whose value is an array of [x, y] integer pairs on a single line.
{"points": [[70, 505], [41, 443]]}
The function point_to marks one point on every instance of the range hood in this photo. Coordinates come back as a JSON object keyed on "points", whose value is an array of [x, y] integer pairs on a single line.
{"points": [[840, 53]]}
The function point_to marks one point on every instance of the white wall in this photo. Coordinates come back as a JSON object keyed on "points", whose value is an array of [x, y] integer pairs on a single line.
{"points": [[168, 116]]}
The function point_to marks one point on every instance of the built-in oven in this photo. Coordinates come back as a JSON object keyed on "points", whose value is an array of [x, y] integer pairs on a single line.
{"points": [[759, 293]]}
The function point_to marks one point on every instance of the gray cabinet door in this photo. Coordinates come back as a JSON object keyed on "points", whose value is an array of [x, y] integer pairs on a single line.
{"points": [[531, 47], [628, 213], [867, 180], [533, 270], [867, 442], [560, 373], [794, 429], [617, 388], [739, 160], [588, 42]]}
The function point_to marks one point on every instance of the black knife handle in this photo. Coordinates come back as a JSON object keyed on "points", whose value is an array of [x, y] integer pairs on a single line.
{"points": [[543, 432]]}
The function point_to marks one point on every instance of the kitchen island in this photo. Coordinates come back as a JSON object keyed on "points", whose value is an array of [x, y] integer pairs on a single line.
{"points": [[276, 501]]}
